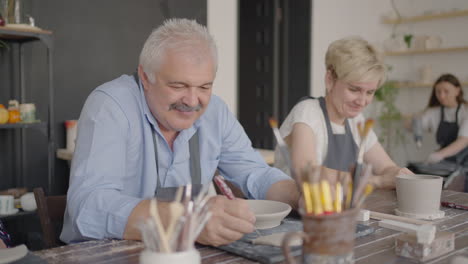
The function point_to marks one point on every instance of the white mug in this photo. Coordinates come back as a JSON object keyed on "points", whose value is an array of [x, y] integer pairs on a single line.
{"points": [[191, 256], [71, 127], [7, 204], [28, 202]]}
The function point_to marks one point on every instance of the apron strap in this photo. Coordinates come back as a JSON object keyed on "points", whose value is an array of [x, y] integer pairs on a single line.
{"points": [[194, 149]]}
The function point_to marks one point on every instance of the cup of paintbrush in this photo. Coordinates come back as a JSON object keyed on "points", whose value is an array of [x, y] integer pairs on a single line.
{"points": [[175, 241]]}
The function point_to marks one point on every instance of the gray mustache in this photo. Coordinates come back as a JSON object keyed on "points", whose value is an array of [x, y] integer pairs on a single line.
{"points": [[185, 108]]}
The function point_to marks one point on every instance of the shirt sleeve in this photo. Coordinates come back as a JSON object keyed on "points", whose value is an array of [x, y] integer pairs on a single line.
{"points": [[428, 119], [463, 131], [240, 163], [96, 206]]}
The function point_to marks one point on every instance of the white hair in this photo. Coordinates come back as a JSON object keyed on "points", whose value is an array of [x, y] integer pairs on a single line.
{"points": [[180, 34]]}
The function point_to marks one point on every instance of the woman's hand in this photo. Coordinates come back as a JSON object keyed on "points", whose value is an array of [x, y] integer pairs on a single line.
{"points": [[434, 157], [388, 180]]}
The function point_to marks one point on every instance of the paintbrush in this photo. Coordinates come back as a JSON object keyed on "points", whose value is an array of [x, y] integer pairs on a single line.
{"points": [[159, 227], [361, 185], [282, 147], [454, 205], [357, 170], [314, 178]]}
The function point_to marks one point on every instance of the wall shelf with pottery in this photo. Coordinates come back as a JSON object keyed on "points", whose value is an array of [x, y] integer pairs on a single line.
{"points": [[419, 84], [426, 51], [428, 17], [16, 36]]}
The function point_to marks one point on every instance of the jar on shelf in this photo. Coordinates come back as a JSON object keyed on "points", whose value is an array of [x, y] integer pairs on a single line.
{"points": [[14, 115], [16, 11], [28, 113]]}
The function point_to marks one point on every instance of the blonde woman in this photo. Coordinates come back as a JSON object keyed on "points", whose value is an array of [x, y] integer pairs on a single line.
{"points": [[324, 131]]}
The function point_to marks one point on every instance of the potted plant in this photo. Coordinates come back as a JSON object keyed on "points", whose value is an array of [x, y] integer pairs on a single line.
{"points": [[3, 45], [389, 117]]}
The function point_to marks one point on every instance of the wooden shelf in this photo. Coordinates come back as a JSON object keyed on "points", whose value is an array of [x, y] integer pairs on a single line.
{"points": [[414, 52], [420, 84], [64, 154], [23, 34], [444, 15], [18, 214], [23, 125]]}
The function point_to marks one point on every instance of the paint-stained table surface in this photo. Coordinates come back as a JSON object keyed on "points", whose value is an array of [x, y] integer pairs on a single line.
{"points": [[375, 248]]}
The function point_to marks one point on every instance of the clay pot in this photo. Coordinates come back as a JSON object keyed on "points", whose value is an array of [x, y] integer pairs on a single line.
{"points": [[418, 196]]}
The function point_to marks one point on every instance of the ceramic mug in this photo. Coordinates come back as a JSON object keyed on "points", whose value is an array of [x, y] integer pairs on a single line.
{"points": [[185, 257], [7, 204], [418, 196], [28, 202], [71, 127], [327, 239]]}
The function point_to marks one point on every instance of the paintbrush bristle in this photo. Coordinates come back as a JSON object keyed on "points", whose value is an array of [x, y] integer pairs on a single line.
{"points": [[360, 129], [273, 123], [368, 126]]}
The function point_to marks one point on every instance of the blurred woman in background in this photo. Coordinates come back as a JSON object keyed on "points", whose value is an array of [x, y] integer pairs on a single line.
{"points": [[447, 115]]}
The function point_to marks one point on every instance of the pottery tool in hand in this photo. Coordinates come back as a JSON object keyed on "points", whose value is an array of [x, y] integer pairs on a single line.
{"points": [[224, 188]]}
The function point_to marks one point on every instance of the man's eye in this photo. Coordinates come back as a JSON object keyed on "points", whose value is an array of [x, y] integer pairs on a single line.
{"points": [[205, 87]]}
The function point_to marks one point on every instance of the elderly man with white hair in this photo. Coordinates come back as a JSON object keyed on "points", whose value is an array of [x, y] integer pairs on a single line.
{"points": [[142, 136]]}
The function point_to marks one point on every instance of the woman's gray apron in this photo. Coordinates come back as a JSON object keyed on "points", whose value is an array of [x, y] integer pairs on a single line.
{"points": [[447, 133], [168, 193], [342, 150]]}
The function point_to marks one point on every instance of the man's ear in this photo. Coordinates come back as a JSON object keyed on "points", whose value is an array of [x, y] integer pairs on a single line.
{"points": [[143, 77]]}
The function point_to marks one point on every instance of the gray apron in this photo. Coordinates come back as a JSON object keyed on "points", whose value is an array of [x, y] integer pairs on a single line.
{"points": [[342, 150], [168, 193]]}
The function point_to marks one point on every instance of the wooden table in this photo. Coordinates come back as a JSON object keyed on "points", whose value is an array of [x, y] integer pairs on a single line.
{"points": [[375, 248]]}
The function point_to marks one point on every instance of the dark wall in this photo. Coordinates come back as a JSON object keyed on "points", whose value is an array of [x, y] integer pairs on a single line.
{"points": [[95, 41]]}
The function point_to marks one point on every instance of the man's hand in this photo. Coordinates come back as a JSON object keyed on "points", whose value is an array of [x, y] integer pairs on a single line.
{"points": [[230, 220]]}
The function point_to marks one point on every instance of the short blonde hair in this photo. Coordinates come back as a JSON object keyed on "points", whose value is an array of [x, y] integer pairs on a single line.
{"points": [[353, 59]]}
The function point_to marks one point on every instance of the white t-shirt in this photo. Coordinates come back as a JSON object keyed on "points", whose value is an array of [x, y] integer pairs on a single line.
{"points": [[310, 113], [430, 119]]}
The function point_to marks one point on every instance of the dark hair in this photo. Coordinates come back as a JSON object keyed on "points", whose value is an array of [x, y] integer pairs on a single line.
{"points": [[450, 78]]}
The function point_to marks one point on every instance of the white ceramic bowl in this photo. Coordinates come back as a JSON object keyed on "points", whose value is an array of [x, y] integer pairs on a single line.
{"points": [[268, 213]]}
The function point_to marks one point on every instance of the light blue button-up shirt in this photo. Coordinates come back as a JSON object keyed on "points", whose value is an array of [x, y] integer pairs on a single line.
{"points": [[114, 168]]}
